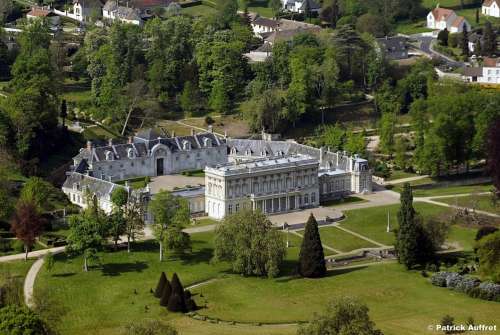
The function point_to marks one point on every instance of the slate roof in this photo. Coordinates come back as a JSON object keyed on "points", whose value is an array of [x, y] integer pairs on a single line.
{"points": [[312, 5], [441, 13], [89, 3], [96, 186], [488, 3], [110, 5], [473, 71], [148, 134], [391, 44], [262, 21]]}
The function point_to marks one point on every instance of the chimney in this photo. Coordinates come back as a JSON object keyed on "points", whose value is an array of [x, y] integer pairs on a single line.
{"points": [[89, 145], [110, 142], [130, 140]]}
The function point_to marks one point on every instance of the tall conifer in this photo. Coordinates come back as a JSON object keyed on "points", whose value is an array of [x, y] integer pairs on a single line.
{"points": [[177, 302], [167, 292], [407, 234], [161, 285], [312, 258]]}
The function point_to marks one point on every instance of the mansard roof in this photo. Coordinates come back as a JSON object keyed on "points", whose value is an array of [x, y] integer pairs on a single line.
{"points": [[120, 151], [93, 185]]}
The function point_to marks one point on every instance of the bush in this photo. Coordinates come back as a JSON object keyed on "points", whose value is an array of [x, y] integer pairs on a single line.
{"points": [[453, 279], [209, 120], [439, 278], [18, 246], [467, 284], [490, 291], [483, 231]]}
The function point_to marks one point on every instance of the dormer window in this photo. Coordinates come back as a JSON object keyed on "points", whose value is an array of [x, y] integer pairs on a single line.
{"points": [[233, 151], [207, 142], [186, 145], [130, 153], [248, 152], [76, 187], [109, 156]]}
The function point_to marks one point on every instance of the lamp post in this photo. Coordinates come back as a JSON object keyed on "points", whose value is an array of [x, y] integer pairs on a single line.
{"points": [[285, 226]]}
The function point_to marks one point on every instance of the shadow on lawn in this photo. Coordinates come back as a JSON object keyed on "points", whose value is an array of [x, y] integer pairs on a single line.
{"points": [[203, 255], [64, 275], [287, 277], [116, 269]]}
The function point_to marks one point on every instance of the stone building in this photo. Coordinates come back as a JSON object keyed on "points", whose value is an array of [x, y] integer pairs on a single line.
{"points": [[150, 154], [272, 185]]}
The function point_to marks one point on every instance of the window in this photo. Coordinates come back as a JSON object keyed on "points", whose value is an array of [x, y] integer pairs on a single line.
{"points": [[109, 155], [130, 153], [313, 198], [237, 207], [207, 142], [306, 199], [230, 209]]}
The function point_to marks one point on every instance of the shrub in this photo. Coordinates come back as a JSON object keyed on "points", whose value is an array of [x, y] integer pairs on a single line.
{"points": [[209, 120], [489, 291], [176, 302], [18, 246], [466, 284], [167, 292], [161, 285], [483, 231], [439, 279], [453, 279]]}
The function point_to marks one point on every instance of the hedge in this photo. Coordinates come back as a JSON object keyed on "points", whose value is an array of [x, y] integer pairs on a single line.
{"points": [[468, 285]]}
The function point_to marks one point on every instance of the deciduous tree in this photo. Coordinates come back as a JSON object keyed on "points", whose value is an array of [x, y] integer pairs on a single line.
{"points": [[27, 224]]}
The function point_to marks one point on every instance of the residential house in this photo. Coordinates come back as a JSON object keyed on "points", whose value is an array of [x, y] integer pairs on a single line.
{"points": [[112, 10], [394, 47], [301, 6], [473, 40], [262, 25], [440, 18], [491, 8], [489, 73], [37, 13], [84, 10]]}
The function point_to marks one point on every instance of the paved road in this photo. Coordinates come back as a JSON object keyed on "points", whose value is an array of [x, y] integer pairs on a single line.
{"points": [[405, 180], [33, 254], [426, 47]]}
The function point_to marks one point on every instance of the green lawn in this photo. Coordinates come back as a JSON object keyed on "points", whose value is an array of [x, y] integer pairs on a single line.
{"points": [[135, 183], [463, 236], [410, 27], [470, 15], [400, 174], [200, 10], [449, 190], [372, 222], [260, 7], [341, 240], [481, 202], [400, 302], [206, 221], [17, 269], [442, 3], [342, 201]]}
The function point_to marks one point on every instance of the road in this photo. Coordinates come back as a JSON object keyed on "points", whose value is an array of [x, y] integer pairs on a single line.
{"points": [[426, 47]]}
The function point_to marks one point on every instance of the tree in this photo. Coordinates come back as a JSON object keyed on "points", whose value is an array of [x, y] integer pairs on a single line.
{"points": [[484, 231], [219, 100], [312, 258], [161, 285], [477, 15], [86, 234], [167, 211], [407, 234], [477, 48], [117, 223], [27, 224], [330, 12], [387, 132], [149, 327], [372, 24], [355, 143], [177, 302], [343, 317], [176, 240], [248, 241], [190, 99], [49, 261], [493, 148], [443, 37], [63, 112], [490, 40], [134, 219], [488, 251], [464, 42], [6, 7], [334, 137], [36, 190], [400, 147], [275, 6], [17, 320]]}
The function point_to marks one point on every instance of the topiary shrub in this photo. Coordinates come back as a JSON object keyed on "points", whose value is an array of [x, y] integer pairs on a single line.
{"points": [[177, 302], [167, 292], [453, 279], [161, 285], [466, 284], [489, 291]]}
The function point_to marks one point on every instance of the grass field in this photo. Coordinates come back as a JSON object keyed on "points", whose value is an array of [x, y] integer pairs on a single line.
{"points": [[341, 240], [410, 27], [342, 201], [480, 202], [449, 190], [400, 302], [470, 15], [118, 291], [14, 269], [372, 222], [198, 11], [400, 174], [463, 236]]}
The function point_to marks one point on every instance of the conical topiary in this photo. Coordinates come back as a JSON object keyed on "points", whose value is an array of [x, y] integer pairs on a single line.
{"points": [[312, 258], [161, 284], [177, 302], [167, 292]]}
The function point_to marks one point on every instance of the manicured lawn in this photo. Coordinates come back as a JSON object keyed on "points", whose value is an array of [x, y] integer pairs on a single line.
{"points": [[135, 183], [400, 174], [448, 190], [400, 302], [204, 222], [372, 222], [470, 15], [260, 7], [200, 10], [442, 3], [463, 236], [14, 269], [342, 201], [410, 27], [480, 202], [341, 240]]}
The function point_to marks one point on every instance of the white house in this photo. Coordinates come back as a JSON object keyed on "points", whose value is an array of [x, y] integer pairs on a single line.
{"points": [[84, 10], [441, 18], [491, 8], [112, 10], [262, 25], [301, 6], [489, 73]]}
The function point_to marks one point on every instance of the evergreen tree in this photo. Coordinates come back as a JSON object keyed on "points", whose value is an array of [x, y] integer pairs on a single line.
{"points": [[166, 294], [312, 257], [161, 285], [443, 37], [177, 302], [477, 48], [477, 15], [465, 42], [490, 40], [63, 112], [407, 234]]}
